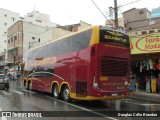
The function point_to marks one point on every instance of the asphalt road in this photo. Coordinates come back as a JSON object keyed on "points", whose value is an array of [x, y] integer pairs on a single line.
{"points": [[26, 102]]}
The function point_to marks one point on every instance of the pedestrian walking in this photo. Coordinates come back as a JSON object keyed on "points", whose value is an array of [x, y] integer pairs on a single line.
{"points": [[133, 83]]}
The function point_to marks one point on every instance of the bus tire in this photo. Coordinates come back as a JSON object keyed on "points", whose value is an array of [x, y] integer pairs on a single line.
{"points": [[26, 85], [55, 91], [29, 85], [66, 94]]}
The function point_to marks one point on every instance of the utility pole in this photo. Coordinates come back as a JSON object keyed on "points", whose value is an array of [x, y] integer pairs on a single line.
{"points": [[14, 59], [116, 13]]}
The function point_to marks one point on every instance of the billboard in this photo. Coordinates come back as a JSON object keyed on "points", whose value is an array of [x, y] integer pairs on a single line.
{"points": [[149, 43]]}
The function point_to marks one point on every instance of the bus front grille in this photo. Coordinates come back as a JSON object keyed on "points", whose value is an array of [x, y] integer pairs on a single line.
{"points": [[81, 89], [111, 66]]}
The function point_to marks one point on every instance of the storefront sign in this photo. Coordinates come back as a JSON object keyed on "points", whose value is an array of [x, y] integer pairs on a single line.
{"points": [[145, 44]]}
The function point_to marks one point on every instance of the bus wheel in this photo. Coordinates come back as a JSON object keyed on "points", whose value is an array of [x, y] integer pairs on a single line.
{"points": [[55, 91], [66, 94], [26, 85], [30, 86]]}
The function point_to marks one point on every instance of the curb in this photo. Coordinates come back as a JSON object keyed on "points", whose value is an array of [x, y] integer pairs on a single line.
{"points": [[152, 97]]}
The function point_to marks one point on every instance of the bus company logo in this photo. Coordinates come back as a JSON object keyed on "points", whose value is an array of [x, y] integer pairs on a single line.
{"points": [[115, 33], [114, 38], [44, 61], [149, 43]]}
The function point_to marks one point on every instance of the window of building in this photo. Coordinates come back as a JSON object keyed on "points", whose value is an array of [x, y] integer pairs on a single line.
{"points": [[30, 15], [158, 30], [141, 12], [40, 21], [33, 38], [8, 41], [15, 37], [144, 32], [125, 24], [5, 23], [39, 40], [69, 28], [13, 19], [5, 15], [5, 41], [151, 31], [130, 28], [11, 39], [5, 32]]}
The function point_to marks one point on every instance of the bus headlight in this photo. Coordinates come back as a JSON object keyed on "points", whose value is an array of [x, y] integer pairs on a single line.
{"points": [[95, 85]]}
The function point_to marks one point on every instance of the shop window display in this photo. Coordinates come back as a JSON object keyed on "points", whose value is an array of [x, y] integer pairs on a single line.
{"points": [[145, 69]]}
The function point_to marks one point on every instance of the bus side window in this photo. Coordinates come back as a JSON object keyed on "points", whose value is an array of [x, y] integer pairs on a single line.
{"points": [[37, 75], [80, 41], [47, 75], [30, 56], [52, 49], [41, 53], [63, 46]]}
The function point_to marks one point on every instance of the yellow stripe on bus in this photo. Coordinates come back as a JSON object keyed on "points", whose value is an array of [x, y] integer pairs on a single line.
{"points": [[73, 96], [95, 35]]}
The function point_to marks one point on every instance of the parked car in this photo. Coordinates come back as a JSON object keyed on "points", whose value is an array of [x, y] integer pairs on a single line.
{"points": [[4, 83]]}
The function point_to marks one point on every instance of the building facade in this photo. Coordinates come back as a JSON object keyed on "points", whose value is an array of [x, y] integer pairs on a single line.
{"points": [[11, 54], [121, 22], [21, 36], [155, 13], [145, 45], [137, 19], [61, 31], [7, 18], [39, 19]]}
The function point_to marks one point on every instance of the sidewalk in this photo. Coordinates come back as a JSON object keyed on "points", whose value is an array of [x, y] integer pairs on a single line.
{"points": [[143, 95]]}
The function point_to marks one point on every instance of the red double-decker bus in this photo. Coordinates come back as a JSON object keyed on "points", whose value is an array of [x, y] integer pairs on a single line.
{"points": [[93, 64]]}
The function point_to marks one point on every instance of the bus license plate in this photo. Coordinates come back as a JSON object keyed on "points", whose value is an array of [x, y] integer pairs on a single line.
{"points": [[114, 94]]}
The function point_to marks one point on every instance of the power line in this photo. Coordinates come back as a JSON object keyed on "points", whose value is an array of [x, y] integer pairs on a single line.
{"points": [[128, 3], [101, 11]]}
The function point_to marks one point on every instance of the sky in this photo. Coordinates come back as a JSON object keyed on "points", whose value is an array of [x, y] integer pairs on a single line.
{"points": [[65, 12]]}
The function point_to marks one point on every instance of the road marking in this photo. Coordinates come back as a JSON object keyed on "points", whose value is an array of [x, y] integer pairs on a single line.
{"points": [[18, 92], [28, 91], [3, 118], [126, 99], [85, 109], [148, 94], [4, 92], [151, 104], [148, 105]]}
